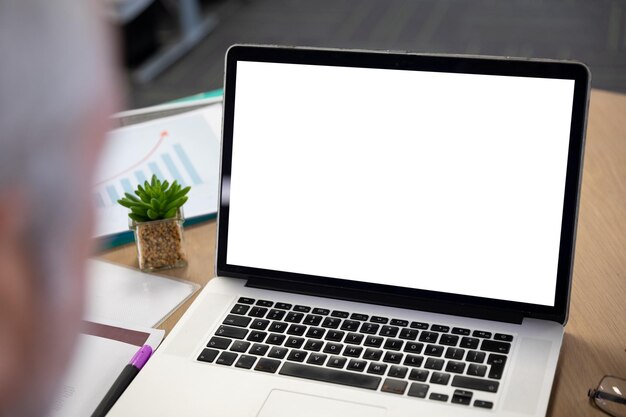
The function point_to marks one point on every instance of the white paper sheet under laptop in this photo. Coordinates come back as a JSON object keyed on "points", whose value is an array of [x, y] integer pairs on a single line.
{"points": [[395, 237]]}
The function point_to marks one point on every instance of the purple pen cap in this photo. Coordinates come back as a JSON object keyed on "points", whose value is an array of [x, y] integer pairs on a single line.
{"points": [[141, 357]]}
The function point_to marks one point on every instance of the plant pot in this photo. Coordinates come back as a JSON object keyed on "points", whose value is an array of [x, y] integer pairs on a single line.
{"points": [[160, 243]]}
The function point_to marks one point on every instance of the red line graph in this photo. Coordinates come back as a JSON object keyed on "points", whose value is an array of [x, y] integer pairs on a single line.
{"points": [[164, 134]]}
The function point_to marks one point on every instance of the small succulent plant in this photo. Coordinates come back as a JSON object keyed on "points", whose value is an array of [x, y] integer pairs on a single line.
{"points": [[155, 200]]}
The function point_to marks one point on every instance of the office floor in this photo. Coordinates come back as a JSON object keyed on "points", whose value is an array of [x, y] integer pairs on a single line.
{"points": [[593, 32]]}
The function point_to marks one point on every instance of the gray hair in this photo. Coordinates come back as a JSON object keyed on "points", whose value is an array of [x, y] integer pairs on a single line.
{"points": [[55, 66]]}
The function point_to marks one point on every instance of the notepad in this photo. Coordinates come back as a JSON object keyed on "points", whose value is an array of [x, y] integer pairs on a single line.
{"points": [[130, 297]]}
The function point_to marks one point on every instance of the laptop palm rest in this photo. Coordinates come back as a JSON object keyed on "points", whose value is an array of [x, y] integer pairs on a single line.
{"points": [[289, 404]]}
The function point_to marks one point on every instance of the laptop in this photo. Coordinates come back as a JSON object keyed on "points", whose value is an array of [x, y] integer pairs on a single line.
{"points": [[395, 237]]}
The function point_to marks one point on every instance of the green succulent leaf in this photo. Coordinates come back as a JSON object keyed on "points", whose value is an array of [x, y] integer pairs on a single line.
{"points": [[155, 200]]}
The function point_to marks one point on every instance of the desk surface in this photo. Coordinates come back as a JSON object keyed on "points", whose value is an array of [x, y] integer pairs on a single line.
{"points": [[595, 336]]}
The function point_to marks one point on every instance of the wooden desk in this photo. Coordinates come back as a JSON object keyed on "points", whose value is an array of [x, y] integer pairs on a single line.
{"points": [[595, 336]]}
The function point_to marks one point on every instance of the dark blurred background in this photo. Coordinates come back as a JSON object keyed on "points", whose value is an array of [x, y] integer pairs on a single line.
{"points": [[591, 31]]}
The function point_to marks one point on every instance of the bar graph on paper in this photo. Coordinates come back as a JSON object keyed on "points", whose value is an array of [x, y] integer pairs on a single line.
{"points": [[183, 148]]}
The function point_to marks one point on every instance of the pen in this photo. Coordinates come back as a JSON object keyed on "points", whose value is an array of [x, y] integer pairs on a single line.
{"points": [[122, 382]]}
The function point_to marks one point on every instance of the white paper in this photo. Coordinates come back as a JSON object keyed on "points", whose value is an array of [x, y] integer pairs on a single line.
{"points": [[131, 297], [184, 147]]}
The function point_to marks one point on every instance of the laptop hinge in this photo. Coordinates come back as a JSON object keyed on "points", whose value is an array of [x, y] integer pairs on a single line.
{"points": [[391, 300]]}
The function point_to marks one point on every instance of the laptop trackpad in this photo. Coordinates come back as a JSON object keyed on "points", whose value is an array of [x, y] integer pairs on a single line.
{"points": [[290, 404]]}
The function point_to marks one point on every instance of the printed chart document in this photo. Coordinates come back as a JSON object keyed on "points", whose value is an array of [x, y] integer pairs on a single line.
{"points": [[185, 147], [102, 351]]}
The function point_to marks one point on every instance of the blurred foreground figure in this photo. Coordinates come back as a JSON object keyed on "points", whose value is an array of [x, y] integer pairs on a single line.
{"points": [[56, 93]]}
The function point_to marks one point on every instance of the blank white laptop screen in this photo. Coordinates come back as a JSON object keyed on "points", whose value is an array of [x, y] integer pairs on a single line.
{"points": [[437, 181]]}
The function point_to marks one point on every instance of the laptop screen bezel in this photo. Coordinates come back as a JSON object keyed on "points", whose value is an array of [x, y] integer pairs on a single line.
{"points": [[435, 63]]}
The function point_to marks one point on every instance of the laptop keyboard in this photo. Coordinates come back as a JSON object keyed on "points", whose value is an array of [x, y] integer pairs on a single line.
{"points": [[370, 352]]}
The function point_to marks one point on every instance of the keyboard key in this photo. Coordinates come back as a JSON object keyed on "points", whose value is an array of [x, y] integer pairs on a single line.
{"points": [[218, 343], [449, 340], [373, 341], [312, 320], [258, 349], [331, 322], [497, 363], [240, 309], [302, 309], [336, 362], [413, 360], [292, 317], [267, 365], [394, 386], [226, 358], [233, 332], [398, 371], [258, 312], [277, 352], [314, 345], [334, 335], [356, 365], [352, 351], [333, 348], [296, 329], [475, 356], [469, 343], [429, 337], [461, 397], [264, 303], [433, 350], [503, 337], [408, 334], [372, 354], [259, 324], [475, 383], [275, 314], [455, 353], [455, 367], [340, 314], [323, 374], [377, 368], [460, 331], [315, 332], [439, 328], [360, 317], [379, 320], [239, 321], [321, 311], [283, 306], [419, 325], [245, 300], [350, 325], [476, 370], [418, 390], [438, 397], [294, 342], [393, 357], [240, 346], [483, 404], [317, 359], [278, 327], [413, 347], [393, 344], [439, 378], [208, 355], [418, 374], [495, 346], [388, 331], [297, 356], [432, 363], [482, 334], [256, 336], [399, 323], [245, 361], [369, 328], [354, 338]]}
